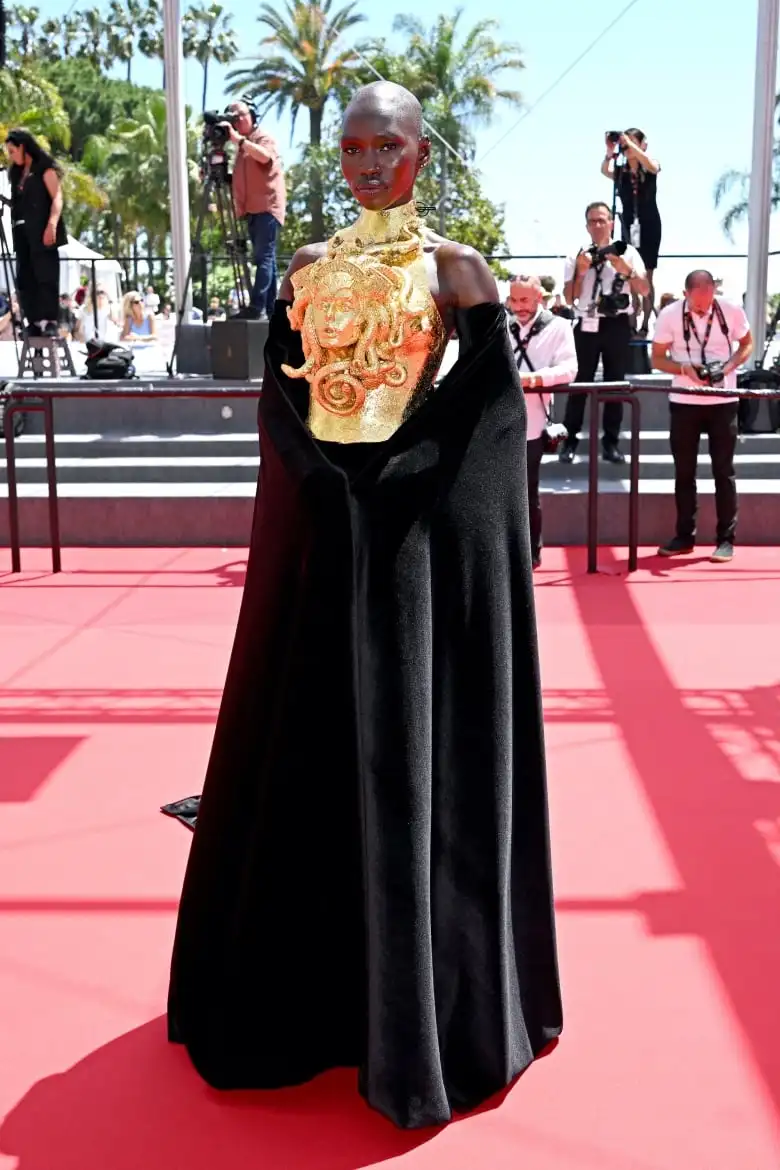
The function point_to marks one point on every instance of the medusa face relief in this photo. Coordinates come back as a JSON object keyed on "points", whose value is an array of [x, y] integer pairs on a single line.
{"points": [[335, 311]]}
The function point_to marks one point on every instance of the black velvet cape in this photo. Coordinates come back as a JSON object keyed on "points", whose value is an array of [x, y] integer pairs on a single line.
{"points": [[369, 880]]}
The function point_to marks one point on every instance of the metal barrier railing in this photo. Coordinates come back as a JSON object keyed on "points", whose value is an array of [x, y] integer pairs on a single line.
{"points": [[24, 398]]}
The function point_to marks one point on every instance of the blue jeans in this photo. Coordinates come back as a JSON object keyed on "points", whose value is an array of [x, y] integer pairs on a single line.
{"points": [[263, 230]]}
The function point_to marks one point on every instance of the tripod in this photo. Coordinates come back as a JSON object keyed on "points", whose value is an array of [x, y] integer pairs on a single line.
{"points": [[9, 276], [218, 195]]}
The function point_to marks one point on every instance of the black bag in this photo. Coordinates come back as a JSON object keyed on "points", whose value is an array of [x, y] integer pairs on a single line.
{"points": [[107, 361]]}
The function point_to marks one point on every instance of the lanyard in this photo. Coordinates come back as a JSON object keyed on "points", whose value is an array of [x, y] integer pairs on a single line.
{"points": [[521, 345], [689, 326]]}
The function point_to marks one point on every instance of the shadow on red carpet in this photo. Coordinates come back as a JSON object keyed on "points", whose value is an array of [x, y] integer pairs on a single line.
{"points": [[707, 811], [27, 762], [137, 1102]]}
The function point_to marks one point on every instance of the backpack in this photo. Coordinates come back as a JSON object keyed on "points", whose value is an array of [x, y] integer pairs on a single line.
{"points": [[107, 361]]}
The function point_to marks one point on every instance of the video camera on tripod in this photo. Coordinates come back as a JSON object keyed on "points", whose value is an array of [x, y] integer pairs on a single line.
{"points": [[216, 136]]}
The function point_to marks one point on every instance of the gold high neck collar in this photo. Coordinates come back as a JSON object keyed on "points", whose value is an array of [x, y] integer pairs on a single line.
{"points": [[385, 227]]}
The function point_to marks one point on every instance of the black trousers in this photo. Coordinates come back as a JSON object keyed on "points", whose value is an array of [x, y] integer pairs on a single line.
{"points": [[718, 421], [534, 464], [611, 344], [37, 279]]}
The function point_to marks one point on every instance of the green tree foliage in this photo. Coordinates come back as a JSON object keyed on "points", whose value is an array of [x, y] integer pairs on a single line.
{"points": [[93, 101], [306, 64], [471, 217]]}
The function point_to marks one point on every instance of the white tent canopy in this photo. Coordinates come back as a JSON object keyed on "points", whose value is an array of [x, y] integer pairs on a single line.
{"points": [[76, 262]]}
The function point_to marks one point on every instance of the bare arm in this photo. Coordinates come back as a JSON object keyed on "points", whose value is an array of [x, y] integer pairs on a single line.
{"points": [[743, 352], [666, 365], [634, 151], [305, 255], [608, 167], [464, 277], [52, 182]]}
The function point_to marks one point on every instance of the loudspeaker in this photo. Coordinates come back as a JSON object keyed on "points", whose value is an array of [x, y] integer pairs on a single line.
{"points": [[193, 349], [237, 349]]}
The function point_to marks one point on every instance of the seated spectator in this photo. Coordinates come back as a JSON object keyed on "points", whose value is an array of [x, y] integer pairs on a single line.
{"points": [[67, 317], [138, 322], [105, 328], [151, 301], [216, 312]]}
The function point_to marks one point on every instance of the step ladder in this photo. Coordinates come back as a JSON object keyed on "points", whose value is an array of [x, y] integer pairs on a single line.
{"points": [[46, 357]]}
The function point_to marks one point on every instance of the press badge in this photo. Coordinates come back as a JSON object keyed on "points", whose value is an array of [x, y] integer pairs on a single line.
{"points": [[590, 323]]}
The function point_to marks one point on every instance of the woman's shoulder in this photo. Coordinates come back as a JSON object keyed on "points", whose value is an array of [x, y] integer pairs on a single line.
{"points": [[465, 278], [308, 254]]}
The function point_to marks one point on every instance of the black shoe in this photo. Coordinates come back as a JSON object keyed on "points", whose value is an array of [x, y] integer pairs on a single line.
{"points": [[536, 562], [566, 453], [51, 329], [612, 453], [724, 552], [676, 548]]}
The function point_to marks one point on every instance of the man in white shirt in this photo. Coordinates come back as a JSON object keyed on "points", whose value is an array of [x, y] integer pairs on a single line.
{"points": [[702, 329], [599, 283], [544, 350]]}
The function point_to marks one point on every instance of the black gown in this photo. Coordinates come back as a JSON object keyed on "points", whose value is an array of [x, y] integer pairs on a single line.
{"points": [[369, 880]]}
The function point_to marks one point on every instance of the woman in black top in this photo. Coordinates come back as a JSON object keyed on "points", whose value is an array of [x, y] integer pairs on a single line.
{"points": [[36, 212], [636, 182]]}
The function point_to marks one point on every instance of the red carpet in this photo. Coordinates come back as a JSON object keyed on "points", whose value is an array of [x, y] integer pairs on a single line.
{"points": [[663, 719]]}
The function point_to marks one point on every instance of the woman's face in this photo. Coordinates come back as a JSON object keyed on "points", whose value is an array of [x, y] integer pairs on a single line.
{"points": [[381, 154], [136, 307], [17, 154], [336, 314]]}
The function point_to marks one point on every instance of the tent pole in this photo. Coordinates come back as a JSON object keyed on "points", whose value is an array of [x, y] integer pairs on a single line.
{"points": [[177, 152], [760, 198]]}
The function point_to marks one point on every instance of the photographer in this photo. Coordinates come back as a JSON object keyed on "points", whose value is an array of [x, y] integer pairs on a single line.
{"points": [[636, 184], [544, 350], [260, 197], [36, 213], [599, 281], [694, 341]]}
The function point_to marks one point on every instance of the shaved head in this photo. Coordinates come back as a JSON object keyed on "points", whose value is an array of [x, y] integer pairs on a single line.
{"points": [[533, 281], [388, 99]]}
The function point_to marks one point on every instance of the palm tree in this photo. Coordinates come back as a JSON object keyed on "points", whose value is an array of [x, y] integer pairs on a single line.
{"points": [[738, 182], [25, 20], [93, 36], [140, 159], [125, 20], [59, 35], [457, 80], [209, 36], [151, 40], [309, 65]]}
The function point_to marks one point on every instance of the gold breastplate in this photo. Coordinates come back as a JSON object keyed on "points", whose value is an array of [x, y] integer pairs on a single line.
{"points": [[372, 335]]}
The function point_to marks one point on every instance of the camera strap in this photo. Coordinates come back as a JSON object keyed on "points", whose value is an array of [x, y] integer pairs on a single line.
{"points": [[520, 344], [689, 327]]}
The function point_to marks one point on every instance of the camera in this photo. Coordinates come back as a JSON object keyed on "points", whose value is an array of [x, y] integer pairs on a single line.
{"points": [[215, 134], [552, 436], [614, 248], [711, 373], [614, 136]]}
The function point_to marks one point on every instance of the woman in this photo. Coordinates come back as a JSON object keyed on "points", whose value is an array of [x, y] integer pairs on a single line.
{"points": [[100, 325], [636, 182], [138, 322], [38, 230], [369, 878]]}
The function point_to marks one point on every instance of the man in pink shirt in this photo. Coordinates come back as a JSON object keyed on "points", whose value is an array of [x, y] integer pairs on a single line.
{"points": [[260, 198]]}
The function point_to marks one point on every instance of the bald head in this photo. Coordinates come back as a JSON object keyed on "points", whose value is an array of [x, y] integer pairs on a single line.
{"points": [[525, 297], [386, 99]]}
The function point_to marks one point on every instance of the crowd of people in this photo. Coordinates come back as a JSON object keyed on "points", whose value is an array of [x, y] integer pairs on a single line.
{"points": [[700, 339]]}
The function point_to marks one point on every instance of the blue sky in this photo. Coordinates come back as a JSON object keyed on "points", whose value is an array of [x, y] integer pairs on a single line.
{"points": [[681, 69]]}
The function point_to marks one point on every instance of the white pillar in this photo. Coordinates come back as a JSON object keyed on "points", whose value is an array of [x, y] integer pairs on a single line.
{"points": [[177, 150], [760, 200]]}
